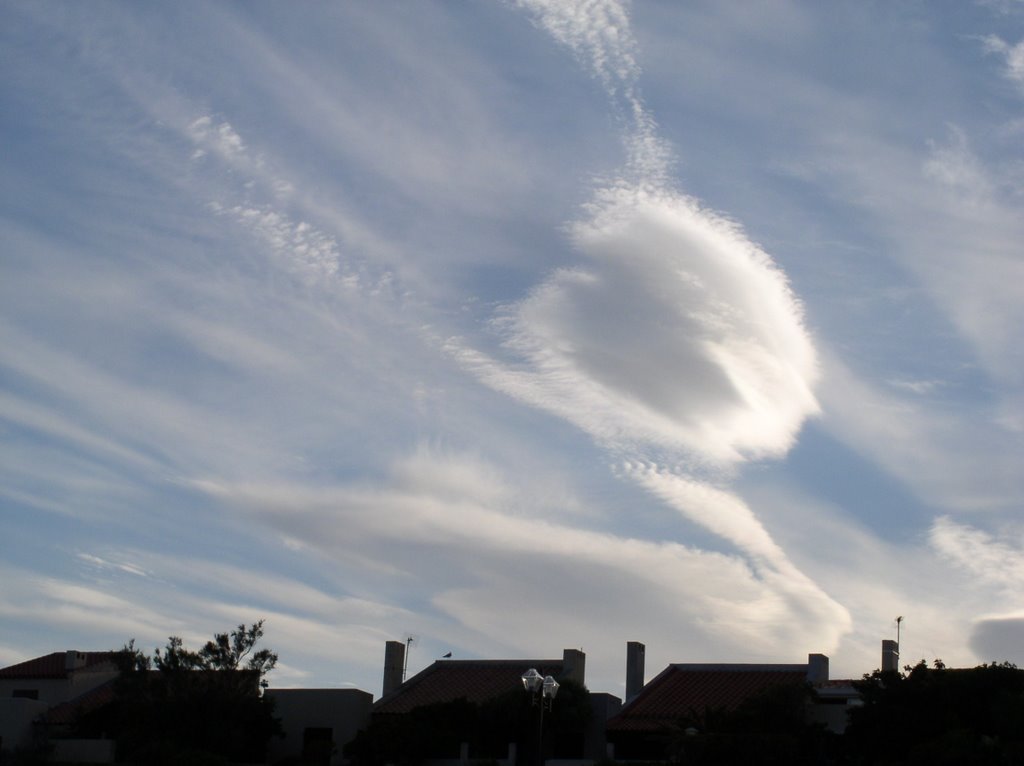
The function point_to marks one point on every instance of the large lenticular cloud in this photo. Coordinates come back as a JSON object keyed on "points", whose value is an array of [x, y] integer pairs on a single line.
{"points": [[675, 332]]}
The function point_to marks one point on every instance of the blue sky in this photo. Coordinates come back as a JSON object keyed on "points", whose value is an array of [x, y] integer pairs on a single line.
{"points": [[513, 327]]}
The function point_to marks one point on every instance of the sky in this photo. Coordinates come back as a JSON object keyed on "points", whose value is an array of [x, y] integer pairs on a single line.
{"points": [[513, 327]]}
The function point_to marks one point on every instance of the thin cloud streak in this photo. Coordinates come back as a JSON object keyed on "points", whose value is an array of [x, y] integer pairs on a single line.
{"points": [[407, 530]]}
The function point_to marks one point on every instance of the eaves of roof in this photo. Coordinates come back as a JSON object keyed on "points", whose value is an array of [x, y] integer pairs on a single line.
{"points": [[68, 712]]}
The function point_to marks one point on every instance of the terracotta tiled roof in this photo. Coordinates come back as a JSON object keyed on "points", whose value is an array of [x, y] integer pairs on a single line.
{"points": [[681, 689], [53, 665], [473, 680]]}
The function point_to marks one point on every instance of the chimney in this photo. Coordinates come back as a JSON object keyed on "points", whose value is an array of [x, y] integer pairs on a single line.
{"points": [[817, 668], [634, 668], [394, 664], [574, 665], [890, 655], [73, 660]]}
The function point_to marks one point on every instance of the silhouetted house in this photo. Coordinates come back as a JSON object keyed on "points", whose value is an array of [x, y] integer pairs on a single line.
{"points": [[317, 723], [833, 701], [472, 680], [52, 698], [479, 682], [685, 699]]}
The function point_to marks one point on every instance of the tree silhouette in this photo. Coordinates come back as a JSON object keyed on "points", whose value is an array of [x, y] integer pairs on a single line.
{"points": [[939, 716], [199, 706]]}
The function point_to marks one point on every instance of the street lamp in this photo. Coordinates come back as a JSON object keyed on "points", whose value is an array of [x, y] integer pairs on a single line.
{"points": [[543, 690]]}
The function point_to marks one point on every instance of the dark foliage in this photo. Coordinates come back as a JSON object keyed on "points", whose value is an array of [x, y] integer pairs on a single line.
{"points": [[200, 706], [768, 728], [437, 731], [939, 716]]}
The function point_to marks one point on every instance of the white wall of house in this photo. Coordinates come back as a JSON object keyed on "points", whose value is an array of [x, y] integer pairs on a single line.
{"points": [[16, 716], [57, 690], [18, 713]]}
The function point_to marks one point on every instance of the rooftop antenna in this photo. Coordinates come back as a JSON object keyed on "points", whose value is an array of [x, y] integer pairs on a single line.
{"points": [[409, 641]]}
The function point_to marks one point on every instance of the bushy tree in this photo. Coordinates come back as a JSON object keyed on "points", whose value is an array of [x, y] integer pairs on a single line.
{"points": [[936, 715], [201, 706]]}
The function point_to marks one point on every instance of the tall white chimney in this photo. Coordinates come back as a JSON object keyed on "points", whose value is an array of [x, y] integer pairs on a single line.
{"points": [[574, 665], [890, 655], [394, 665], [817, 668], [634, 668]]}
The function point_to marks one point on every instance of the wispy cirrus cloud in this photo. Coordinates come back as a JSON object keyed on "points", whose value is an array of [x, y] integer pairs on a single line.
{"points": [[995, 567], [989, 559], [600, 36], [405, 529], [302, 247], [1012, 55]]}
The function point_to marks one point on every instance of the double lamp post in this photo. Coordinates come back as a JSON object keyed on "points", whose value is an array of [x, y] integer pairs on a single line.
{"points": [[542, 691]]}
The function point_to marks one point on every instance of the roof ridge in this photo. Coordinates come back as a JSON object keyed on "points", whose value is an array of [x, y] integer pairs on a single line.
{"points": [[52, 665], [743, 667]]}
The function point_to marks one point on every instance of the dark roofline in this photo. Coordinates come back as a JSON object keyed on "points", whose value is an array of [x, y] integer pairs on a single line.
{"points": [[733, 667], [436, 665], [527, 663], [742, 667], [52, 665]]}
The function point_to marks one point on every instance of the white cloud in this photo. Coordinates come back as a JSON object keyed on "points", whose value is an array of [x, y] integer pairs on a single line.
{"points": [[920, 387], [468, 547], [221, 138], [303, 248], [944, 219], [994, 566], [1013, 57], [951, 224], [999, 638], [721, 512], [101, 563], [954, 165], [676, 333], [990, 560], [951, 458], [90, 612], [598, 32]]}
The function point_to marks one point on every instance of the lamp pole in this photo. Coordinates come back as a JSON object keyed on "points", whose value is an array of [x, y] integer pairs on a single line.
{"points": [[542, 691]]}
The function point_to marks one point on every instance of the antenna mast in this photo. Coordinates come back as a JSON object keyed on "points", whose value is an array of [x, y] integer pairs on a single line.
{"points": [[408, 647]]}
